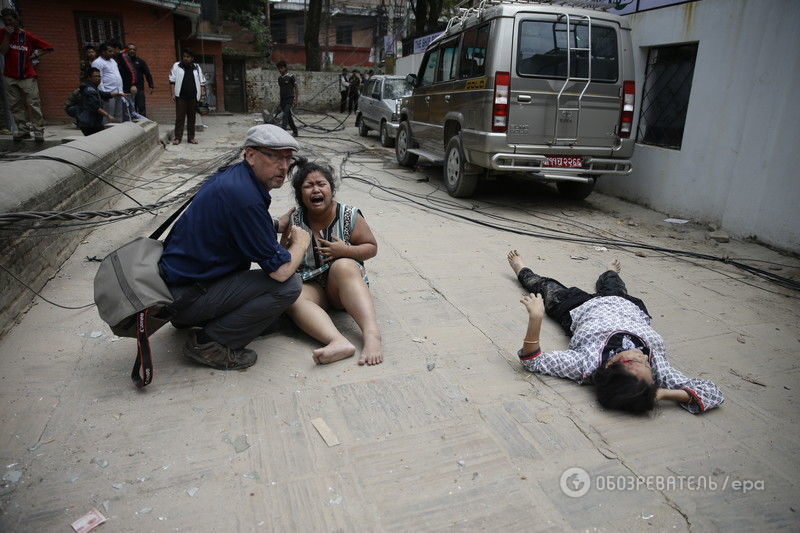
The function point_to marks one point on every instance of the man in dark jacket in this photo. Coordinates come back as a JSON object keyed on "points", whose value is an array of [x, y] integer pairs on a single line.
{"points": [[141, 75], [90, 111]]}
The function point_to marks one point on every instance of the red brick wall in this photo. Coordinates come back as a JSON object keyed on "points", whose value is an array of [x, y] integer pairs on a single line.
{"points": [[150, 28]]}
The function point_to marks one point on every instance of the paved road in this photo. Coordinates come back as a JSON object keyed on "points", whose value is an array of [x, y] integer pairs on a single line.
{"points": [[449, 433]]}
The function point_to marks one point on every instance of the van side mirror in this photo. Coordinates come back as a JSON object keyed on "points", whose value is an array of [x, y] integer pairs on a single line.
{"points": [[411, 79]]}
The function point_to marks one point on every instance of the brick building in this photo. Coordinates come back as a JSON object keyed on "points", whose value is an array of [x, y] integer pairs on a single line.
{"points": [[159, 28]]}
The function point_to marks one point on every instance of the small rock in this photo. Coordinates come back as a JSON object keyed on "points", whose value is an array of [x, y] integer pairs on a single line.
{"points": [[461, 463], [145, 510], [191, 492], [73, 479], [96, 334], [431, 366], [102, 463], [13, 476], [639, 253], [118, 486], [740, 339], [632, 223], [601, 248], [719, 236]]}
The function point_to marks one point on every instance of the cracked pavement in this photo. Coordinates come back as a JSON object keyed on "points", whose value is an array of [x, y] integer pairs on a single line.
{"points": [[473, 442]]}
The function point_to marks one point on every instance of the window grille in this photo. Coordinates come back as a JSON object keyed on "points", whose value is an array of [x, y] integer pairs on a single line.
{"points": [[344, 34], [96, 29], [665, 97]]}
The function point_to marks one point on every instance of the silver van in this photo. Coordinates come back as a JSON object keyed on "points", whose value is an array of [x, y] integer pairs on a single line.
{"points": [[377, 106], [509, 87]]}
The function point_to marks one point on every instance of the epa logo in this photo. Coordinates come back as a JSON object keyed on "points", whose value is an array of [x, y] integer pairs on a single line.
{"points": [[575, 482]]}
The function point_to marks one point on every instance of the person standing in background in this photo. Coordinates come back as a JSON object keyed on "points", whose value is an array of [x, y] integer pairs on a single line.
{"points": [[344, 86], [355, 88], [289, 97], [188, 86], [19, 47], [111, 82], [142, 75], [89, 55]]}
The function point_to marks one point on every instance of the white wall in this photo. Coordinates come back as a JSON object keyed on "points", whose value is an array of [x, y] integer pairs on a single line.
{"points": [[408, 64], [739, 165]]}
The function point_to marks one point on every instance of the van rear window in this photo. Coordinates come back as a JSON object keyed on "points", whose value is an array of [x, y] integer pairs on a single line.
{"points": [[542, 50]]}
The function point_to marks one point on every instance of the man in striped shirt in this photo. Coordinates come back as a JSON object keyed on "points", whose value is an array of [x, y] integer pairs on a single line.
{"points": [[18, 48]]}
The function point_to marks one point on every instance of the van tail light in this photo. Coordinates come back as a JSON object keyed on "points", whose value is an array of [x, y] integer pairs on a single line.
{"points": [[502, 91], [626, 116]]}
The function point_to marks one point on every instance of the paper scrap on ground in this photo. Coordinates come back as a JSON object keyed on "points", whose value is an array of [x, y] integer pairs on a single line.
{"points": [[325, 432], [88, 522], [676, 220]]}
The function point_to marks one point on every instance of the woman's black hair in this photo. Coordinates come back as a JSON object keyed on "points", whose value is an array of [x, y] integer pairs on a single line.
{"points": [[300, 170], [616, 388]]}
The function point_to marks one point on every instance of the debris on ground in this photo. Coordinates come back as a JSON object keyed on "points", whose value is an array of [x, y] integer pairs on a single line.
{"points": [[102, 463], [88, 522], [746, 377], [676, 220], [719, 236], [239, 444], [417, 339], [191, 492], [145, 510], [461, 464], [325, 432], [431, 366], [13, 476], [578, 257], [601, 248]]}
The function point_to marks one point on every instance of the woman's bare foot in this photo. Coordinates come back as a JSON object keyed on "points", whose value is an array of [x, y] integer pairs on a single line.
{"points": [[615, 265], [515, 260], [335, 351], [372, 354]]}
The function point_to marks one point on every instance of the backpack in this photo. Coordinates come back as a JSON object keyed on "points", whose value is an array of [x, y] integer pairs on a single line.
{"points": [[72, 103]]}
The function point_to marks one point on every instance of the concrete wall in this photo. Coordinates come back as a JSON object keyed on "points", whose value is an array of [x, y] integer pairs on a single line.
{"points": [[318, 90], [31, 254], [739, 165]]}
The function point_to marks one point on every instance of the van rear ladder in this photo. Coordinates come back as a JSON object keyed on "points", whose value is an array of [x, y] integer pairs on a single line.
{"points": [[561, 109]]}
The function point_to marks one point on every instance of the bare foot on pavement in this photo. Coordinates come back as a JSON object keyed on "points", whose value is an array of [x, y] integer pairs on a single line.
{"points": [[335, 351], [515, 260], [372, 354]]}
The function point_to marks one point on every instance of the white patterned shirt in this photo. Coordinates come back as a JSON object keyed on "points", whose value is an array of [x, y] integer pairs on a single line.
{"points": [[593, 323]]}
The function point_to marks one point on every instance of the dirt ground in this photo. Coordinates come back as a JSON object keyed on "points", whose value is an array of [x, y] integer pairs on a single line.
{"points": [[449, 433]]}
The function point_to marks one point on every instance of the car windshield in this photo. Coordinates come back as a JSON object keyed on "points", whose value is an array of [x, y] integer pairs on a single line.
{"points": [[396, 88]]}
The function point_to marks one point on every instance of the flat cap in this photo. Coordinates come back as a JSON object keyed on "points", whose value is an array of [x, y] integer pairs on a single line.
{"points": [[270, 136]]}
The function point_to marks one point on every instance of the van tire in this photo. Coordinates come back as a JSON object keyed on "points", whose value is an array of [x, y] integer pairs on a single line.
{"points": [[575, 190], [386, 141], [402, 144], [460, 177]]}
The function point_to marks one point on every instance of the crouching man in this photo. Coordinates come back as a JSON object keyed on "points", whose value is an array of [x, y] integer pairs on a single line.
{"points": [[207, 255]]}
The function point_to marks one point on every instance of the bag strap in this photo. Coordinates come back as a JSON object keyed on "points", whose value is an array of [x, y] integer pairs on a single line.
{"points": [[142, 373], [167, 223]]}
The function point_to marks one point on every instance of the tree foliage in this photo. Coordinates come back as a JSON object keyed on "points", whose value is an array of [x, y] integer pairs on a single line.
{"points": [[253, 17]]}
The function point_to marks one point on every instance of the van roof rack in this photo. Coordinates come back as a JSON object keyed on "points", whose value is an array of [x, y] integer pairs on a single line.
{"points": [[465, 12]]}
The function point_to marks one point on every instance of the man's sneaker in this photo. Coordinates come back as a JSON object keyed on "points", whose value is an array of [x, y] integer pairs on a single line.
{"points": [[218, 356], [20, 137]]}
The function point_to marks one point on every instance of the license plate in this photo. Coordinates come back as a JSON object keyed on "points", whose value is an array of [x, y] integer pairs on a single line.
{"points": [[563, 161]]}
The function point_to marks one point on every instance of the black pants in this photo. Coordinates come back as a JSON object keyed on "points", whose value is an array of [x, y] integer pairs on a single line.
{"points": [[560, 300], [287, 120], [352, 102], [185, 109], [91, 131], [139, 102], [343, 105], [234, 309]]}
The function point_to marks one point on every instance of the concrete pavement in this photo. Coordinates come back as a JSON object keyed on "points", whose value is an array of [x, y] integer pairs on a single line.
{"points": [[449, 433]]}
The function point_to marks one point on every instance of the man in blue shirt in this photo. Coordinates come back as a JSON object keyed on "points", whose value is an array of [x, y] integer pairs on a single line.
{"points": [[207, 255]]}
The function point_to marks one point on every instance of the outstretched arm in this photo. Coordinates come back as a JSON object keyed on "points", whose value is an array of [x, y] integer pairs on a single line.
{"points": [[693, 394]]}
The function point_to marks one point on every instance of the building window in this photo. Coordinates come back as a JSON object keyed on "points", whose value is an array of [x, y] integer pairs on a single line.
{"points": [[278, 29], [94, 28], [344, 34], [665, 98], [301, 32]]}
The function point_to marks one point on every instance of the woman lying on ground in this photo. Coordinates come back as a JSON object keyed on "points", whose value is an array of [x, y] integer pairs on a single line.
{"points": [[333, 268], [612, 344]]}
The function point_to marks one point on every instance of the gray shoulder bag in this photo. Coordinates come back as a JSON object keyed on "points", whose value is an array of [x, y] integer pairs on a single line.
{"points": [[132, 297]]}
